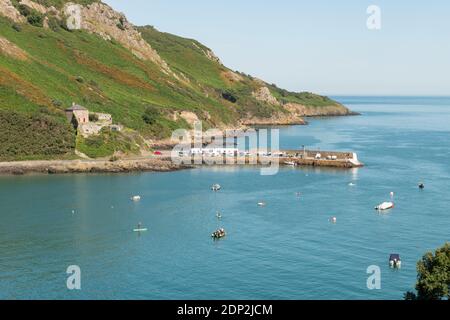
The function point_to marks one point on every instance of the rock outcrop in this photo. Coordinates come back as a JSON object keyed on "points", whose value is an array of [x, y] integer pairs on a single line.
{"points": [[263, 94], [11, 50], [278, 119], [101, 19], [9, 11], [88, 166], [308, 111], [97, 18]]}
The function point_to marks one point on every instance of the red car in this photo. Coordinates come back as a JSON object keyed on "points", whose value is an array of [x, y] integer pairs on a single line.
{"points": [[158, 153]]}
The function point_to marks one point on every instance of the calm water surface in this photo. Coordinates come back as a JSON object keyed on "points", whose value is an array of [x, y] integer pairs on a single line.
{"points": [[287, 250]]}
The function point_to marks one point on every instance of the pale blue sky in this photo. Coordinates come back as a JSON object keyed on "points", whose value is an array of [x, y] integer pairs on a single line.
{"points": [[319, 46]]}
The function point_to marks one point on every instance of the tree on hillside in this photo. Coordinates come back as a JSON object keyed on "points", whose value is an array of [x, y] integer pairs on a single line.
{"points": [[433, 278]]}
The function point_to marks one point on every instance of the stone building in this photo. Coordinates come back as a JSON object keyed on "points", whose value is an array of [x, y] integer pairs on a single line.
{"points": [[79, 117], [81, 114]]}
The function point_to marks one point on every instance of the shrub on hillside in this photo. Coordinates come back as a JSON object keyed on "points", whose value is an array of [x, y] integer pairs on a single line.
{"points": [[36, 19], [25, 136], [229, 96], [151, 115], [17, 27]]}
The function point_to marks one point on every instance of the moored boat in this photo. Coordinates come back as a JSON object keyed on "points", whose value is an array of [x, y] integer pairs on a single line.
{"points": [[395, 261], [219, 234]]}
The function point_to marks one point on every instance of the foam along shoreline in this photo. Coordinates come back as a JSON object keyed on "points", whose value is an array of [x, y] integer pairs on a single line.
{"points": [[89, 166]]}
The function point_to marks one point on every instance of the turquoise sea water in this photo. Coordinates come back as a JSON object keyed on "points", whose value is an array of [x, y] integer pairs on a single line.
{"points": [[287, 250]]}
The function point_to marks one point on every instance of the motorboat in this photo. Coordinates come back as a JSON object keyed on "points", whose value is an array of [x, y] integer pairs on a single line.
{"points": [[216, 187], [290, 163], [261, 204], [394, 261], [386, 205], [219, 234]]}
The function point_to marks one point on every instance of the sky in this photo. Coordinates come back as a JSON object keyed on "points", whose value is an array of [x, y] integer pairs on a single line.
{"points": [[321, 46]]}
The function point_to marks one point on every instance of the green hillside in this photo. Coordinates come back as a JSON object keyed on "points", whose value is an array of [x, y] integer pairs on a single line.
{"points": [[44, 70]]}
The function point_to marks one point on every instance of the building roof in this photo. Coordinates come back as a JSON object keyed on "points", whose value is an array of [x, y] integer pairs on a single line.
{"points": [[75, 107]]}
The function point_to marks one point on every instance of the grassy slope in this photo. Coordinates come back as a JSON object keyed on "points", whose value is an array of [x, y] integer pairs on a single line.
{"points": [[188, 56], [65, 67]]}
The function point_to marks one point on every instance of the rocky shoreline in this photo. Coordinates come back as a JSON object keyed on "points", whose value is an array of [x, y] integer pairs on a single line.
{"points": [[89, 166]]}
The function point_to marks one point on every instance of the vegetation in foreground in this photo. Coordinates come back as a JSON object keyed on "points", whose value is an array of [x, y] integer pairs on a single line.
{"points": [[433, 278]]}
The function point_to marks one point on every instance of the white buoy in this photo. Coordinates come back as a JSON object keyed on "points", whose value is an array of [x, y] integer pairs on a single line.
{"points": [[136, 198]]}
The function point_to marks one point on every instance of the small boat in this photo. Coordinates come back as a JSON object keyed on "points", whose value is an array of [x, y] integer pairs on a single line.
{"points": [[216, 187], [351, 184], [394, 261], [140, 228], [136, 198], [261, 204], [421, 186], [219, 234], [333, 220], [386, 205], [219, 215], [290, 163]]}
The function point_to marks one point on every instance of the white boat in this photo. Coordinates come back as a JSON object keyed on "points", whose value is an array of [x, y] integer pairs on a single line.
{"points": [[140, 230], [261, 204], [136, 198], [385, 206], [216, 187], [290, 163]]}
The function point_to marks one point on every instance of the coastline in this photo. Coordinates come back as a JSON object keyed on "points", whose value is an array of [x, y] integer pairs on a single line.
{"points": [[89, 166], [143, 163]]}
